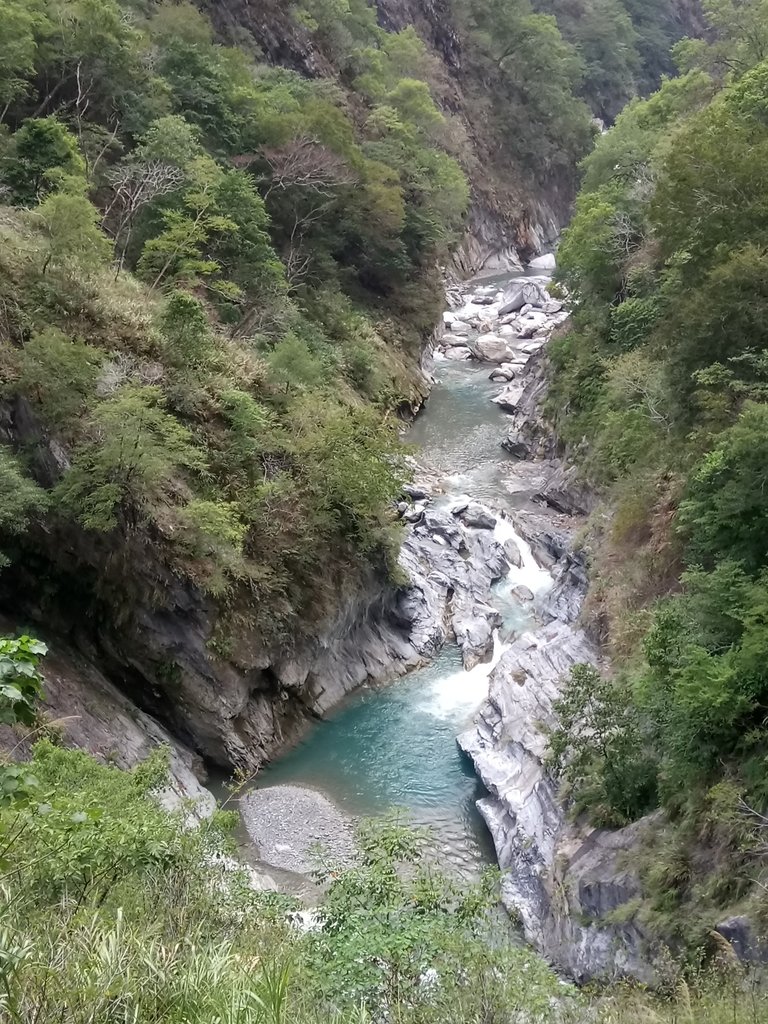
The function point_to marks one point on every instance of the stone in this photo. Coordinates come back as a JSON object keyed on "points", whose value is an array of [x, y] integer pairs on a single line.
{"points": [[503, 373], [521, 293], [414, 492], [474, 627], [523, 593], [748, 945], [516, 447], [460, 327], [509, 397], [482, 300], [491, 348], [449, 340], [513, 553], [506, 332], [545, 262], [477, 516], [552, 307], [458, 352]]}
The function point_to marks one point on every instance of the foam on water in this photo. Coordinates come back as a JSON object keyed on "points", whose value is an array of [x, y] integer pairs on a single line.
{"points": [[455, 697]]}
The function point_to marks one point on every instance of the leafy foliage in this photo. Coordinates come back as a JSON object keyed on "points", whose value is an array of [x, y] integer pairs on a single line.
{"points": [[663, 385]]}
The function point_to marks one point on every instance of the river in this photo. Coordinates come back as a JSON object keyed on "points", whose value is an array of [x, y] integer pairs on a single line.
{"points": [[395, 746]]}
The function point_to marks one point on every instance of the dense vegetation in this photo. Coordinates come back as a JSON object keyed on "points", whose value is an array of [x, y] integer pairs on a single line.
{"points": [[115, 911], [624, 46], [660, 392], [217, 274], [216, 277]]}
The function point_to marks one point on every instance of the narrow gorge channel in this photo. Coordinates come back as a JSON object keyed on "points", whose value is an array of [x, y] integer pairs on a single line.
{"points": [[396, 745]]}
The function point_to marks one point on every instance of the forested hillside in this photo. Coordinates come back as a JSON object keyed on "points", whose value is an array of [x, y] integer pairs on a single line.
{"points": [[659, 391], [219, 267]]}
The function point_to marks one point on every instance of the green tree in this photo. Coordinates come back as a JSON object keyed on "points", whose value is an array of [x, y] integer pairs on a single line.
{"points": [[21, 688], [127, 468], [725, 512], [20, 499], [60, 373], [72, 236], [600, 750], [186, 330], [43, 153], [21, 23]]}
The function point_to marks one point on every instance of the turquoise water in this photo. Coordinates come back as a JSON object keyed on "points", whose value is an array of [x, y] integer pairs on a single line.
{"points": [[395, 746]]}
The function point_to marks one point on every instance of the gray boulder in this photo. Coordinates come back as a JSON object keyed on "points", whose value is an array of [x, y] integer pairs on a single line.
{"points": [[474, 626], [512, 552], [503, 373], [458, 352], [522, 293], [516, 447], [545, 262], [491, 348], [509, 398], [477, 516], [460, 327]]}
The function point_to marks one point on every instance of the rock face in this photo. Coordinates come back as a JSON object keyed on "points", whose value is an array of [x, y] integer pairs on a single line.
{"points": [[452, 567], [92, 714], [559, 880]]}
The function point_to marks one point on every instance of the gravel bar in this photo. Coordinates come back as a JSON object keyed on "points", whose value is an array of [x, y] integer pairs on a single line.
{"points": [[287, 822]]}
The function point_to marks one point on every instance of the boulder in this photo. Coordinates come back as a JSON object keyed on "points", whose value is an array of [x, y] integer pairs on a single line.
{"points": [[414, 492], [748, 944], [414, 514], [475, 515], [491, 348], [523, 593], [458, 352], [482, 300], [506, 331], [474, 626], [505, 372], [523, 293], [545, 262], [454, 341], [509, 397], [516, 447], [552, 307], [460, 327], [513, 553]]}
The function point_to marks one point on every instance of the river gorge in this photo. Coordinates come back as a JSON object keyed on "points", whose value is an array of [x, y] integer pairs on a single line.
{"points": [[459, 743]]}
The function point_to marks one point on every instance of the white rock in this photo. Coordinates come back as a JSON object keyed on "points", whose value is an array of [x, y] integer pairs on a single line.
{"points": [[491, 348], [458, 352], [545, 262]]}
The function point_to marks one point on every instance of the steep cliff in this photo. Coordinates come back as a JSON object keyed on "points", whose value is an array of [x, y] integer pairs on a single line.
{"points": [[220, 266]]}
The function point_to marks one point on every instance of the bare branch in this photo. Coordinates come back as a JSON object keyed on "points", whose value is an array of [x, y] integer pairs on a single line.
{"points": [[306, 164]]}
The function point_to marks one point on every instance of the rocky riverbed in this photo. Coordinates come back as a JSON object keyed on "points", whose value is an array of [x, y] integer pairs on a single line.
{"points": [[501, 515], [564, 882]]}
